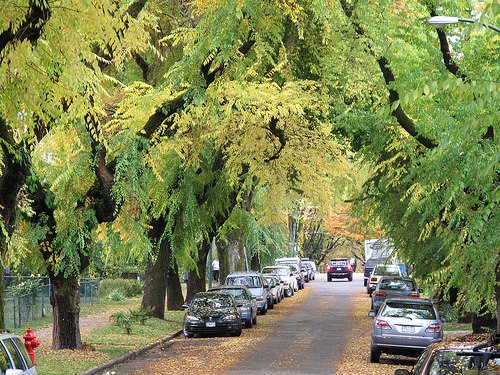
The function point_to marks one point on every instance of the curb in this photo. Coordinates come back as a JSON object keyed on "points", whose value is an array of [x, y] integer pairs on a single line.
{"points": [[129, 355]]}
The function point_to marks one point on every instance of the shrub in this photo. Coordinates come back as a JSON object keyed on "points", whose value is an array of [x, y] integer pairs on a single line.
{"points": [[128, 288], [122, 319], [115, 295], [142, 315]]}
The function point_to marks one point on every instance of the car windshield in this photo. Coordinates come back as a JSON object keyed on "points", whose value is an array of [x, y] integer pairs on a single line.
{"points": [[212, 302], [237, 293], [271, 281], [386, 270], [395, 284], [447, 362], [276, 271], [293, 266], [408, 310], [248, 281]]}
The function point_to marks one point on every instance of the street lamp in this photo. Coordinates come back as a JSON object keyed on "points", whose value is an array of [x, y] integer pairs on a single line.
{"points": [[440, 21]]}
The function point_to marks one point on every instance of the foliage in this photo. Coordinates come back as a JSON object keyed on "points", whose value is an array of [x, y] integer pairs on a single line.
{"points": [[124, 287], [123, 319], [26, 286]]}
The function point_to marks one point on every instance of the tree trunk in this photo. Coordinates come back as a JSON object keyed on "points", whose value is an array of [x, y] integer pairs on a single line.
{"points": [[155, 285], [65, 301], [497, 296], [196, 281], [224, 262], [255, 262], [241, 261], [175, 299]]}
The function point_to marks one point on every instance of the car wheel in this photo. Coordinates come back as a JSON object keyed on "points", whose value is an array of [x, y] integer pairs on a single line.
{"points": [[365, 282], [349, 278], [189, 335], [271, 305], [254, 320], [264, 310], [328, 278], [374, 355], [249, 323], [236, 333]]}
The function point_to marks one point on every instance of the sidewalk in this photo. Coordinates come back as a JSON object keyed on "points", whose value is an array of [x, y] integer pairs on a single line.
{"points": [[87, 324]]}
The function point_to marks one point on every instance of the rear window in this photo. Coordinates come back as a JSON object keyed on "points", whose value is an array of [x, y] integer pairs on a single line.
{"points": [[408, 310], [395, 284], [388, 270], [248, 281]]}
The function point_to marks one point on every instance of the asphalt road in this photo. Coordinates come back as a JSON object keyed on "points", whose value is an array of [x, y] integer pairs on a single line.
{"points": [[309, 339], [315, 334]]}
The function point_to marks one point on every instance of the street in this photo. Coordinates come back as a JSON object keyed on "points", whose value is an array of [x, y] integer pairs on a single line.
{"points": [[304, 334]]}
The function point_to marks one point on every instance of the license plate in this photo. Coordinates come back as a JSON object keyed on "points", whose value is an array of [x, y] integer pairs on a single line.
{"points": [[339, 269], [210, 324], [407, 329]]}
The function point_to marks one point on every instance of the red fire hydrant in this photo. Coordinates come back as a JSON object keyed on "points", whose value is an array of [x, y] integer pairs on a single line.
{"points": [[30, 342]]}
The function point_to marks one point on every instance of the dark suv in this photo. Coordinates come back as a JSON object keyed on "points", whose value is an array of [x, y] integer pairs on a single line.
{"points": [[339, 268]]}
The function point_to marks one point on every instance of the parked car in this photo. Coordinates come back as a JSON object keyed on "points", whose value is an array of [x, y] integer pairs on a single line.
{"points": [[286, 276], [257, 285], [457, 358], [313, 269], [339, 268], [212, 313], [276, 287], [379, 271], [404, 326], [309, 271], [369, 266], [389, 286], [243, 296], [296, 267], [14, 358]]}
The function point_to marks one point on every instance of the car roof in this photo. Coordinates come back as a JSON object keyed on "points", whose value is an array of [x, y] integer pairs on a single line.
{"points": [[423, 301], [340, 258], [222, 287], [402, 278], [272, 267], [244, 273]]}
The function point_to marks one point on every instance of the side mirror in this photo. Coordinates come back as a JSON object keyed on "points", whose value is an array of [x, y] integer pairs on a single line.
{"points": [[372, 314], [420, 291], [266, 286], [402, 371], [185, 306], [291, 274], [443, 318]]}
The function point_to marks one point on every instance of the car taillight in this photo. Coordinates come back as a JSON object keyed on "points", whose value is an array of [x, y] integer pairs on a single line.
{"points": [[382, 324], [348, 267], [434, 328], [328, 267], [374, 279], [381, 294], [413, 295]]}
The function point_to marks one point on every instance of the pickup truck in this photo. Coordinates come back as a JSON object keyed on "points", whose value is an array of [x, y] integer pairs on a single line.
{"points": [[369, 266]]}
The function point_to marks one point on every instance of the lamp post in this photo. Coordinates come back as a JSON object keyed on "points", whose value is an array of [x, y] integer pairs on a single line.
{"points": [[440, 21]]}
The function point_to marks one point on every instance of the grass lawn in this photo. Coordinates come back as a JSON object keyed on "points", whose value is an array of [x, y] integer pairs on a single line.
{"points": [[104, 343]]}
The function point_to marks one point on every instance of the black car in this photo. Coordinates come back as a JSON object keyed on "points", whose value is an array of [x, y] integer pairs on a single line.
{"points": [[243, 295], [339, 268], [212, 313]]}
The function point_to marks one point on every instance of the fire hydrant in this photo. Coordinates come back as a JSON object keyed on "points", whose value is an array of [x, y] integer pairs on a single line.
{"points": [[30, 342]]}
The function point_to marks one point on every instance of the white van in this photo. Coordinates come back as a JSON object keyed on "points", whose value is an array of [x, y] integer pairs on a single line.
{"points": [[296, 267]]}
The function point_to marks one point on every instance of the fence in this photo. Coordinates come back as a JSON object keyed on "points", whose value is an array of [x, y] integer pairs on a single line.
{"points": [[22, 308]]}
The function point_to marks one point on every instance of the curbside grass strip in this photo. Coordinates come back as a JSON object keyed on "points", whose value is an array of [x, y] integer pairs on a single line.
{"points": [[129, 355]]}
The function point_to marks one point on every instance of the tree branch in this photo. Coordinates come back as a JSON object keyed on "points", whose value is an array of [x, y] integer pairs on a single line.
{"points": [[30, 29]]}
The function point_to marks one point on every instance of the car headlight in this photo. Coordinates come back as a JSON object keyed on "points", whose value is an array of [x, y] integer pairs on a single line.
{"points": [[260, 298], [230, 316], [244, 308], [192, 318]]}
